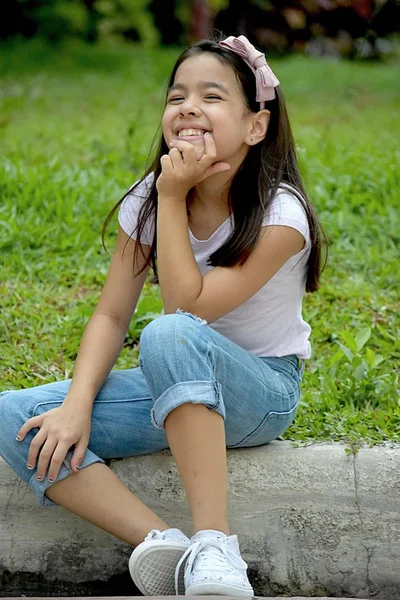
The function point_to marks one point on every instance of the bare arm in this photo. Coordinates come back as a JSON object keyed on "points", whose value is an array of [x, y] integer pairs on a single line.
{"points": [[222, 289], [104, 335], [69, 425]]}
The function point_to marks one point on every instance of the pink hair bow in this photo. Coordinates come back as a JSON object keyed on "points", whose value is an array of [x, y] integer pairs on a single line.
{"points": [[266, 82]]}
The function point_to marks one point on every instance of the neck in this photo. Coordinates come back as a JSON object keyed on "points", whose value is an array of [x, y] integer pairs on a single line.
{"points": [[213, 192]]}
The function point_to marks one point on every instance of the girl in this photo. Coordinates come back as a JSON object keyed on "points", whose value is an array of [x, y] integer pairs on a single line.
{"points": [[223, 210]]}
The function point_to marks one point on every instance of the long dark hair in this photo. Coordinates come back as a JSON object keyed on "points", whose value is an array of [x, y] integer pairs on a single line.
{"points": [[267, 166]]}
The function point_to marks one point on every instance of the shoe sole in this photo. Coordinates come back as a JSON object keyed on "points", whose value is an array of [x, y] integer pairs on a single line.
{"points": [[152, 567], [218, 589]]}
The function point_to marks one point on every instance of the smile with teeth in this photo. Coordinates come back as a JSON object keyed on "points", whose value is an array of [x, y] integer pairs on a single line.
{"points": [[191, 132]]}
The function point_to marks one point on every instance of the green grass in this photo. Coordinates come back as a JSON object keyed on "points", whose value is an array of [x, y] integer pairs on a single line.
{"points": [[76, 127]]}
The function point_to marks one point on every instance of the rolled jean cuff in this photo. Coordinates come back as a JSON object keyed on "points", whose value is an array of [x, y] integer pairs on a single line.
{"points": [[40, 487], [187, 392]]}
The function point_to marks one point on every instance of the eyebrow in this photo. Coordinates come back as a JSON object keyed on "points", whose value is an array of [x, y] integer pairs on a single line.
{"points": [[202, 84]]}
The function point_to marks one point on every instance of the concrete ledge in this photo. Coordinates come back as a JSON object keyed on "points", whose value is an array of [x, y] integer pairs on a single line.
{"points": [[311, 521], [202, 597]]}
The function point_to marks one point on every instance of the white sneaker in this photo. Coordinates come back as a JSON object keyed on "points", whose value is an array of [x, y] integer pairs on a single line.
{"points": [[152, 564], [214, 566]]}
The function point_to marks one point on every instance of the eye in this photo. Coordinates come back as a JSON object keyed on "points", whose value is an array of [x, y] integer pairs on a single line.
{"points": [[213, 97], [175, 99]]}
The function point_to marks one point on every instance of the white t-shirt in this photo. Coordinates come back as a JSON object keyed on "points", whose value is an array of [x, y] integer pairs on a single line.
{"points": [[270, 323]]}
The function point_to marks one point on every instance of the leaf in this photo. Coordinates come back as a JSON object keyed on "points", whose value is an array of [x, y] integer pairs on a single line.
{"points": [[348, 353], [148, 316], [377, 361], [350, 341], [148, 304], [362, 337], [336, 358], [370, 354], [356, 361], [334, 363], [361, 371]]}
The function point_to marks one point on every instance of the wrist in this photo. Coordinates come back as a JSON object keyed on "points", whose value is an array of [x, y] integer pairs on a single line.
{"points": [[178, 198], [80, 401]]}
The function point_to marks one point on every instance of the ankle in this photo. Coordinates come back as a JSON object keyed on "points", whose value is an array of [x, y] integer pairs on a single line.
{"points": [[218, 531]]}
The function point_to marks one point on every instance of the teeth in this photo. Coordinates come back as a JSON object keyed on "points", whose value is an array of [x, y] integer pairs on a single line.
{"points": [[188, 132]]}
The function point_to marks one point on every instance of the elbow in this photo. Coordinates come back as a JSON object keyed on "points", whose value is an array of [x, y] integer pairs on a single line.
{"points": [[186, 306], [188, 310], [182, 307], [169, 309]]}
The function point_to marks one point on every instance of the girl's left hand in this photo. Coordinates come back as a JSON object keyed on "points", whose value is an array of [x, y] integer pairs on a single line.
{"points": [[181, 170]]}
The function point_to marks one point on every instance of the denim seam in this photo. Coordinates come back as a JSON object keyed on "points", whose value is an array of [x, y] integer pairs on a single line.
{"points": [[265, 419], [292, 363], [299, 368], [210, 362], [101, 401], [294, 379]]}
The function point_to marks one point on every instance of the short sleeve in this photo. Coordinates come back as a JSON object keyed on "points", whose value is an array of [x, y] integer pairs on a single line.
{"points": [[130, 207], [286, 209]]}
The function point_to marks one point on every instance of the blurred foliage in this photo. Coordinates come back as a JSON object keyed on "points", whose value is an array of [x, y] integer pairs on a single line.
{"points": [[51, 19], [55, 20], [315, 27], [131, 20]]}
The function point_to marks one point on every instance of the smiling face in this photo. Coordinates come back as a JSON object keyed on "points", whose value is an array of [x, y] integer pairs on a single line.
{"points": [[205, 96]]}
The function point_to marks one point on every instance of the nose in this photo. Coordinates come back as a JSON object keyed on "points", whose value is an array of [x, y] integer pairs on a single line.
{"points": [[192, 113], [188, 107]]}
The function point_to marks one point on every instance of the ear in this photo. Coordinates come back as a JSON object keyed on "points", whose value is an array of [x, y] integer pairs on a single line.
{"points": [[258, 127]]}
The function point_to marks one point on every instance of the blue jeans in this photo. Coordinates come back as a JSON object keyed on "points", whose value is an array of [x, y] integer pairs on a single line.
{"points": [[181, 360]]}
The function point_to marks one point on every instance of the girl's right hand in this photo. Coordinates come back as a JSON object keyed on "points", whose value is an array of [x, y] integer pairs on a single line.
{"points": [[59, 429]]}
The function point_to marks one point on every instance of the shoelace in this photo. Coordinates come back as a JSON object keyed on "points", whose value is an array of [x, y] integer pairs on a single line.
{"points": [[194, 550], [168, 534], [155, 534]]}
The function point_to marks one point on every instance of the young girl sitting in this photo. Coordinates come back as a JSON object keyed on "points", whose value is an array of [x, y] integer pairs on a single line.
{"points": [[223, 218]]}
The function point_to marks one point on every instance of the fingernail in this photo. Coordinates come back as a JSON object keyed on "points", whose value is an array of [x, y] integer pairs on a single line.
{"points": [[172, 142], [29, 466], [51, 479], [77, 468], [18, 438], [207, 133], [39, 478]]}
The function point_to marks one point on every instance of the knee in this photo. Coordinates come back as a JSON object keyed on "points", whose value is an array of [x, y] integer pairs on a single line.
{"points": [[170, 334]]}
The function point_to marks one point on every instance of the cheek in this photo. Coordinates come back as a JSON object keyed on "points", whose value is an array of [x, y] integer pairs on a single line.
{"points": [[166, 123]]}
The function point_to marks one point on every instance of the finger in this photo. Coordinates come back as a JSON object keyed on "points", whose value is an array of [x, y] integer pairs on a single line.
{"points": [[28, 425], [176, 158], [34, 448], [57, 459], [181, 144], [188, 152], [165, 162], [45, 457], [79, 453], [210, 148], [219, 167]]}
